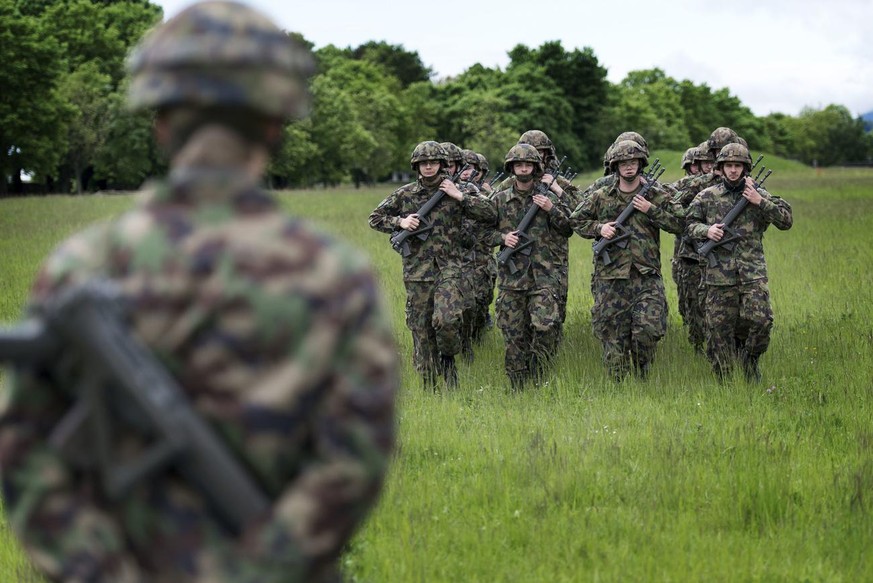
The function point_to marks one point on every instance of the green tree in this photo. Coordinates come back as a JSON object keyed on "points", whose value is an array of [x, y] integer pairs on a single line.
{"points": [[87, 91], [31, 111], [581, 79], [405, 65]]}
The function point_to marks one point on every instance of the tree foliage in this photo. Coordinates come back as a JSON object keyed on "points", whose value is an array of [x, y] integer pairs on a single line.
{"points": [[63, 119]]}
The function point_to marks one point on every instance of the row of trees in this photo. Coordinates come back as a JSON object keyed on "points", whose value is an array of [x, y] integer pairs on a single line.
{"points": [[63, 120]]}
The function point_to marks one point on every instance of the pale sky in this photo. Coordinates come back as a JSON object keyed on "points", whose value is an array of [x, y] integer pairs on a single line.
{"points": [[775, 55]]}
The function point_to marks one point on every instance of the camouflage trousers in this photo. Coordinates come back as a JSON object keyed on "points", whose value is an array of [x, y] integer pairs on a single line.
{"points": [[629, 318], [479, 277], [433, 315], [738, 323], [531, 326], [688, 275]]}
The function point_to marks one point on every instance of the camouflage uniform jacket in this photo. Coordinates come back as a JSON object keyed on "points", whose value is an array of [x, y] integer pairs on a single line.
{"points": [[547, 267], [687, 188], [278, 335], [643, 250], [745, 263], [443, 249]]}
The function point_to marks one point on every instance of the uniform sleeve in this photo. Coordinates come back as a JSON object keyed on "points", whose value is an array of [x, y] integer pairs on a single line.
{"points": [[479, 208], [776, 211], [386, 217], [664, 215], [584, 220], [559, 218], [696, 226], [353, 433]]}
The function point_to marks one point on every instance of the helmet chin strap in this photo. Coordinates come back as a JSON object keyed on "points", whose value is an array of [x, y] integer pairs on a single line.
{"points": [[524, 178]]}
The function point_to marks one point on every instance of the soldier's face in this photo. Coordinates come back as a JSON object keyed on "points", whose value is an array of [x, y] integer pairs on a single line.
{"points": [[706, 166], [733, 171], [694, 168], [428, 168], [451, 168], [466, 174], [629, 168], [522, 168]]}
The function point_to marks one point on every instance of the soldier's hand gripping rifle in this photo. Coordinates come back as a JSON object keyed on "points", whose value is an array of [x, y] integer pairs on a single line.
{"points": [[123, 386], [399, 240], [731, 236], [621, 238], [524, 240]]}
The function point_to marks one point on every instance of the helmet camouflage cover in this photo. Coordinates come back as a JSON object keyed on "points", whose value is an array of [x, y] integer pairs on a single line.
{"points": [[483, 164], [539, 140], [453, 152], [634, 137], [720, 137], [428, 150], [688, 157], [523, 153], [702, 153], [470, 157], [627, 150], [221, 54], [735, 153]]}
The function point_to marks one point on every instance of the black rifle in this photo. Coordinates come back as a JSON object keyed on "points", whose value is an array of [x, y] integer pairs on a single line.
{"points": [[497, 178], [525, 242], [125, 387], [399, 240], [729, 242], [601, 244]]}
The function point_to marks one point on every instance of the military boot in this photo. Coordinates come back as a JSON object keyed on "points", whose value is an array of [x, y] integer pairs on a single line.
{"points": [[751, 369], [449, 370]]}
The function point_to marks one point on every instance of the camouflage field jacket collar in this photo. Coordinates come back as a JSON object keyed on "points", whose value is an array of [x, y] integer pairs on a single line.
{"points": [[204, 185]]}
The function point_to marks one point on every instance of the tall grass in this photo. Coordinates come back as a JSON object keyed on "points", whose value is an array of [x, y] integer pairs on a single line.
{"points": [[677, 478]]}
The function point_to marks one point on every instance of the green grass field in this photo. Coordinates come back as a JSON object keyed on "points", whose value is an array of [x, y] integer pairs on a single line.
{"points": [[677, 478]]}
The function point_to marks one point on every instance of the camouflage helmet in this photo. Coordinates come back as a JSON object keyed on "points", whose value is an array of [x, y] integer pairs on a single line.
{"points": [[702, 153], [606, 157], [523, 153], [634, 137], [221, 54], [539, 140], [428, 150], [483, 164], [627, 150], [453, 152], [719, 138], [735, 153], [688, 158], [740, 140], [470, 157]]}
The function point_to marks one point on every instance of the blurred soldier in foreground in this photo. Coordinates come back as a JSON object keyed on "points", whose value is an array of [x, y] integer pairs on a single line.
{"points": [[738, 312], [274, 331]]}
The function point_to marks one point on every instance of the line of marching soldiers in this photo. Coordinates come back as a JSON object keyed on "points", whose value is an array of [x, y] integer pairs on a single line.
{"points": [[448, 222]]}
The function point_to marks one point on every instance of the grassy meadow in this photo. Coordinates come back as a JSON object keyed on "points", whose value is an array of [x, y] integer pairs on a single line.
{"points": [[676, 478]]}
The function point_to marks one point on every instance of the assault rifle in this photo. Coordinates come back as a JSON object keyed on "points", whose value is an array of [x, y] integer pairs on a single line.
{"points": [[399, 240], [496, 178], [601, 244], [125, 387], [729, 242], [525, 242]]}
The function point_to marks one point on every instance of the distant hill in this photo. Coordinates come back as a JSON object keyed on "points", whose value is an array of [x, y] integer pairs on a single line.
{"points": [[868, 120]]}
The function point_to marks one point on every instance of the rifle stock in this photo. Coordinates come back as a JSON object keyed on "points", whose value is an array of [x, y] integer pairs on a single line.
{"points": [[124, 386]]}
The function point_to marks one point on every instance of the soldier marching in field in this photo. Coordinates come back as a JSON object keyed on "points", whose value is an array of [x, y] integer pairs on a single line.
{"points": [[432, 268], [275, 332], [479, 271], [609, 177], [629, 315], [687, 270], [530, 287], [738, 313]]}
